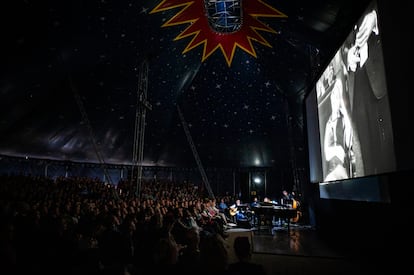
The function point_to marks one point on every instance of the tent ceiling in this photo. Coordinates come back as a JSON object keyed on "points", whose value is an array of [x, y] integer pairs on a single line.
{"points": [[70, 75]]}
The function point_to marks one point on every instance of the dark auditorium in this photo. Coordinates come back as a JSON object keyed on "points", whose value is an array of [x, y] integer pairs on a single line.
{"points": [[234, 137]]}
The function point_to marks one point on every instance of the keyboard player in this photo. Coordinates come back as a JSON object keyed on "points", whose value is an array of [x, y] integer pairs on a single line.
{"points": [[271, 213]]}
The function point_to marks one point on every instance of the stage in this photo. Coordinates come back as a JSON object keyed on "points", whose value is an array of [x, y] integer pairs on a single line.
{"points": [[299, 250]]}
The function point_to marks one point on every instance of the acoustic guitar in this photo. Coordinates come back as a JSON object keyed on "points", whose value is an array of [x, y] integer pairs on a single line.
{"points": [[243, 208], [233, 211]]}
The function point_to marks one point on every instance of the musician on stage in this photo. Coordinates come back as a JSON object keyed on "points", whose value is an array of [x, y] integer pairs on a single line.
{"points": [[287, 198], [286, 195], [255, 203], [266, 200], [240, 212]]}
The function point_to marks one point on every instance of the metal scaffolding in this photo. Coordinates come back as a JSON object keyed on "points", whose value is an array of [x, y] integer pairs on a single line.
{"points": [[141, 108]]}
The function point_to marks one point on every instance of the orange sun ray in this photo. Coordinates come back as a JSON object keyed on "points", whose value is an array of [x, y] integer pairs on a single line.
{"points": [[193, 13]]}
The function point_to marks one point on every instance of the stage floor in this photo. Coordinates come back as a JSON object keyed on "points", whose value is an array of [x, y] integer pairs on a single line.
{"points": [[297, 240], [299, 250]]}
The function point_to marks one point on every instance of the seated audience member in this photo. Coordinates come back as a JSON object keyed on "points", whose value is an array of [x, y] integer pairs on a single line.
{"points": [[213, 254], [244, 265], [189, 259], [216, 211], [223, 207]]}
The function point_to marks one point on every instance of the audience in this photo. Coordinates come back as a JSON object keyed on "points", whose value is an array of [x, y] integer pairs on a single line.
{"points": [[84, 226]]}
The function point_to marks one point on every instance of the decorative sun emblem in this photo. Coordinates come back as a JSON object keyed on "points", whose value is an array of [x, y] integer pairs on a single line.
{"points": [[220, 24]]}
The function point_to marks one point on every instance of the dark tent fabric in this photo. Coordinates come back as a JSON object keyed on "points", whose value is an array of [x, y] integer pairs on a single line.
{"points": [[71, 72]]}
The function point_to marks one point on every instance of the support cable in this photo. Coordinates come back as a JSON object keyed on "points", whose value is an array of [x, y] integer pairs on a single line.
{"points": [[195, 153], [85, 119], [91, 135]]}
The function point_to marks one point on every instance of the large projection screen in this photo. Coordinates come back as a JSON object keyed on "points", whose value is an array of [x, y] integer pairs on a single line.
{"points": [[356, 138], [356, 135]]}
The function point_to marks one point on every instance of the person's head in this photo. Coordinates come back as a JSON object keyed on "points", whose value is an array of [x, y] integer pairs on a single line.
{"points": [[213, 252], [242, 247], [166, 252], [193, 237], [330, 73]]}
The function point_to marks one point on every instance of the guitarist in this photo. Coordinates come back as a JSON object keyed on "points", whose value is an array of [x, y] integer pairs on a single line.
{"points": [[239, 211]]}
